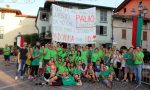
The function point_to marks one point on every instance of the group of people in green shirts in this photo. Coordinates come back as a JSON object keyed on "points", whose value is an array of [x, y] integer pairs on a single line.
{"points": [[61, 65]]}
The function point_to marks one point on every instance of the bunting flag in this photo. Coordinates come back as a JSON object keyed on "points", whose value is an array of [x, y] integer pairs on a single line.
{"points": [[139, 31], [20, 41], [134, 31]]}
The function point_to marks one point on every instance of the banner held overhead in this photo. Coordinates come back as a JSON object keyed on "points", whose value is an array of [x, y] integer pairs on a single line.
{"points": [[73, 25]]}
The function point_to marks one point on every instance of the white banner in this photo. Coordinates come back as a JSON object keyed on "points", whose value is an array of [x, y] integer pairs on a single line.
{"points": [[73, 25]]}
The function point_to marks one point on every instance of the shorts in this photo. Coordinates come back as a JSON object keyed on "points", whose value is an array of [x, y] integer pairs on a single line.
{"points": [[7, 57], [129, 68], [27, 66], [40, 65], [105, 81], [47, 75], [97, 74]]}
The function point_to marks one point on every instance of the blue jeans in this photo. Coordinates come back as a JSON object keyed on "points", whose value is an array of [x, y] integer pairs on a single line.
{"points": [[138, 72], [21, 67]]}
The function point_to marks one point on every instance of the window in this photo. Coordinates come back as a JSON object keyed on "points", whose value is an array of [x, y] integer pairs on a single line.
{"points": [[125, 10], [144, 36], [123, 34], [2, 15], [101, 30], [1, 32], [103, 16], [44, 16]]}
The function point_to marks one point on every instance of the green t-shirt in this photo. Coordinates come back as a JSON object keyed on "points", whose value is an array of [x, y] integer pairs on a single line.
{"points": [[6, 51], [48, 69], [129, 57], [64, 55], [58, 64], [100, 53], [78, 58], [35, 61], [47, 54], [105, 73], [60, 51], [62, 69], [73, 57], [69, 80], [94, 57], [137, 60], [84, 55], [76, 71], [54, 54], [111, 69], [105, 59]]}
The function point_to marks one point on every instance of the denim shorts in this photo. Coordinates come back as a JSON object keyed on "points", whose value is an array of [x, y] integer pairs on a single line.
{"points": [[105, 82]]}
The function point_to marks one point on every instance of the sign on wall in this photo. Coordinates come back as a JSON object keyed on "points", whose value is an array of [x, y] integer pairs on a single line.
{"points": [[73, 25]]}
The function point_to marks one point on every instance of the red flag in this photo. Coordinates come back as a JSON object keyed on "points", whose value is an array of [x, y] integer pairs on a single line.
{"points": [[134, 30], [20, 41]]}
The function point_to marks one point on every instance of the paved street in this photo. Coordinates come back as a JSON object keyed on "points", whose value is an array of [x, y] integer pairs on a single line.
{"points": [[7, 82]]}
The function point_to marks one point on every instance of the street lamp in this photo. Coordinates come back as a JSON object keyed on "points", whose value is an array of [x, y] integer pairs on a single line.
{"points": [[142, 11]]}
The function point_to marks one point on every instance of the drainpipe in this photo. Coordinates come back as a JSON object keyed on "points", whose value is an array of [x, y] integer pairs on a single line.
{"points": [[112, 37]]}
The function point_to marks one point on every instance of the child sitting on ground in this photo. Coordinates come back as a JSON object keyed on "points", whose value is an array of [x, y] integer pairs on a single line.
{"points": [[90, 74]]}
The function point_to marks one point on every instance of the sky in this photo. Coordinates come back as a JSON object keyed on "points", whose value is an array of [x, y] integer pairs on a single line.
{"points": [[30, 7]]}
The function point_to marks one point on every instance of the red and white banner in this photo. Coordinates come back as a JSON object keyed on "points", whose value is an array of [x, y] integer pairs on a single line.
{"points": [[73, 25], [20, 41]]}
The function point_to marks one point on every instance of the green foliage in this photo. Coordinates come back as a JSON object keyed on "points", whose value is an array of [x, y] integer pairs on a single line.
{"points": [[31, 38]]}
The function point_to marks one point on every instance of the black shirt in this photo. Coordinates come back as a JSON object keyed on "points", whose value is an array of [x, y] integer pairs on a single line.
{"points": [[23, 53]]}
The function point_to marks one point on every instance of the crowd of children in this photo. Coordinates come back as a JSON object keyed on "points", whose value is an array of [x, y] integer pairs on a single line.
{"points": [[59, 65]]}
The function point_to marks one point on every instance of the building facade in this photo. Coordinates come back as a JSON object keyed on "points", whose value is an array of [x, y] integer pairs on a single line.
{"points": [[12, 22], [122, 23], [103, 20]]}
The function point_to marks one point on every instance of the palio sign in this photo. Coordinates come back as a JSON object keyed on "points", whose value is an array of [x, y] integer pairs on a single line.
{"points": [[17, 1], [75, 26]]}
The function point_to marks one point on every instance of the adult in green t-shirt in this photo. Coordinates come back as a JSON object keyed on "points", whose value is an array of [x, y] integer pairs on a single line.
{"points": [[54, 53], [101, 53], [95, 57], [60, 51], [35, 62], [84, 54], [138, 56], [78, 57], [129, 64], [6, 52], [46, 54]]}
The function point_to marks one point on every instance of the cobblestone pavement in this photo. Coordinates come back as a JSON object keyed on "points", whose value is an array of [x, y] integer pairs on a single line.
{"points": [[7, 82]]}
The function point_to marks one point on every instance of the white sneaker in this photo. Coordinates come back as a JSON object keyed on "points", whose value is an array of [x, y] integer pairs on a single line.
{"points": [[117, 79], [16, 78]]}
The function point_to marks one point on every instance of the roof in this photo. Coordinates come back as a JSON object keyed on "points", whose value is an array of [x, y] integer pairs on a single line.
{"points": [[123, 4], [48, 3], [9, 10], [27, 16]]}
